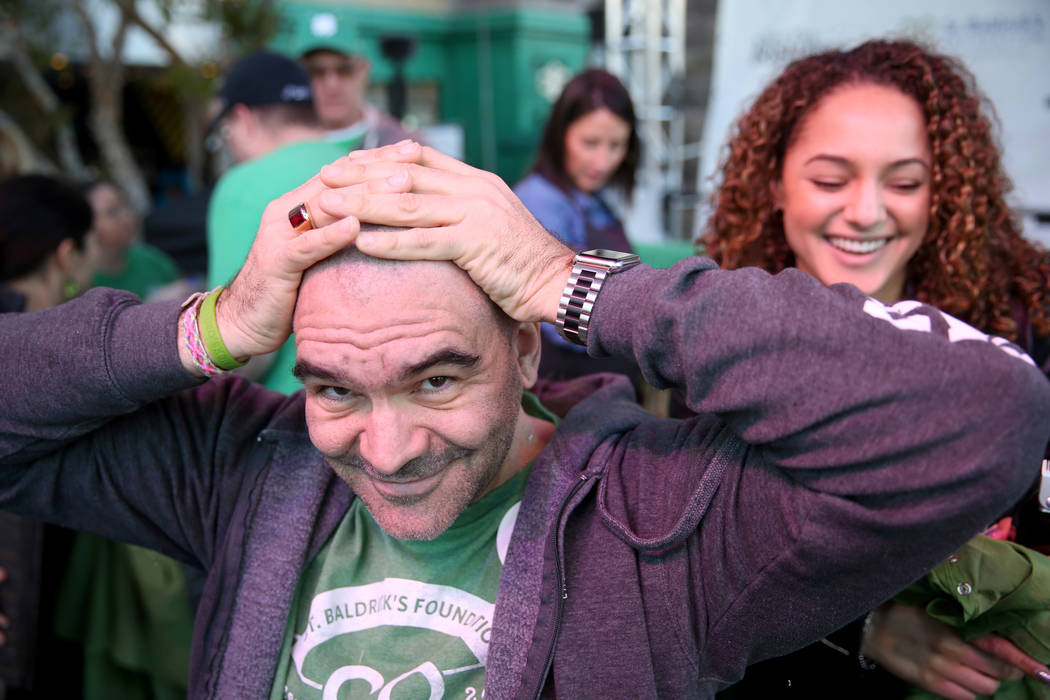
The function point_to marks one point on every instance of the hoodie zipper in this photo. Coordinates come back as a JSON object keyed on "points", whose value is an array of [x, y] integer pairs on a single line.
{"points": [[559, 574]]}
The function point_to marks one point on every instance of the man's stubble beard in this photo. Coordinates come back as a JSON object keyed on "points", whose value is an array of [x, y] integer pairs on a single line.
{"points": [[448, 501]]}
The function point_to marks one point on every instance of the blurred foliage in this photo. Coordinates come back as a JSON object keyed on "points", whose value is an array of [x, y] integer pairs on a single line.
{"points": [[247, 24], [40, 29]]}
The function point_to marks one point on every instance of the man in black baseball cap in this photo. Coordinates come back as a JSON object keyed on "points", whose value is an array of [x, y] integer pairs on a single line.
{"points": [[265, 117], [273, 90]]}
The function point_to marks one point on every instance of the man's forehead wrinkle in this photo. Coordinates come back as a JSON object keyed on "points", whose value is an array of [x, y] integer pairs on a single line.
{"points": [[369, 280], [369, 289], [373, 335], [367, 303], [367, 276]]}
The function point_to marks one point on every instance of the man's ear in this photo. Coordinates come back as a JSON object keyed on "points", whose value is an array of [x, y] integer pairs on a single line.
{"points": [[243, 115], [526, 343], [64, 258]]}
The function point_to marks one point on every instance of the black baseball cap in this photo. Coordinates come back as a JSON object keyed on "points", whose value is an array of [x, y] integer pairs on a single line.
{"points": [[264, 78]]}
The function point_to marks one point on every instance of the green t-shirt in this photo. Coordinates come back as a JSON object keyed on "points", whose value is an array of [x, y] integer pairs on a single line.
{"points": [[404, 619], [147, 269], [235, 210]]}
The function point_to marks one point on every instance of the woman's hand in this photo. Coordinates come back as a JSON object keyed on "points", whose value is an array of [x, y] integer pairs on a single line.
{"points": [[928, 653], [451, 211]]}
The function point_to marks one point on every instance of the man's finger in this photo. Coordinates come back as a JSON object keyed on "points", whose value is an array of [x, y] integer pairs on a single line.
{"points": [[406, 151], [410, 244], [317, 244], [427, 179], [433, 158], [385, 176], [276, 212], [403, 152], [407, 209]]}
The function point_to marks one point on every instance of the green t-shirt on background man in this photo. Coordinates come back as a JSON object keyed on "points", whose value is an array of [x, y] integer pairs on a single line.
{"points": [[147, 269], [236, 208]]}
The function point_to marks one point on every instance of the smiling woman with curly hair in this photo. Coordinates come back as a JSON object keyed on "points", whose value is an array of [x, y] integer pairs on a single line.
{"points": [[972, 261], [878, 167]]}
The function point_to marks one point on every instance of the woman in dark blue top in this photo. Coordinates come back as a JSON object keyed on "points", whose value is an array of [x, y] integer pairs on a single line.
{"points": [[590, 143]]}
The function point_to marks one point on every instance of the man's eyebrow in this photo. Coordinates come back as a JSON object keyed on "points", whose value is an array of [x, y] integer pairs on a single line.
{"points": [[441, 357], [304, 370]]}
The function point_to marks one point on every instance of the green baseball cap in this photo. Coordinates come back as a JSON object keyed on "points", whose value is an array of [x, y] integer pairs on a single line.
{"points": [[326, 31]]}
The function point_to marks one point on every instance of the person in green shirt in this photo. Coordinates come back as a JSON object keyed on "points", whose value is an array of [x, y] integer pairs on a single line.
{"points": [[124, 261], [267, 122]]}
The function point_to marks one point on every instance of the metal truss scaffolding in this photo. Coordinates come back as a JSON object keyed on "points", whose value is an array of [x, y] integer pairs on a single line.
{"points": [[645, 47]]}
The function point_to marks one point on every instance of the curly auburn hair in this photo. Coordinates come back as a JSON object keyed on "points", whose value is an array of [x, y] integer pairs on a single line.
{"points": [[973, 262]]}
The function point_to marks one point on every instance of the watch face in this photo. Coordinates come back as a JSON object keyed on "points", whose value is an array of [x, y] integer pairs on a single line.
{"points": [[613, 260]]}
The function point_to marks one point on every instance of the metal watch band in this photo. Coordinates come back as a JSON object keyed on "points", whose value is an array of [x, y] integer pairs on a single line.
{"points": [[577, 302], [589, 272]]}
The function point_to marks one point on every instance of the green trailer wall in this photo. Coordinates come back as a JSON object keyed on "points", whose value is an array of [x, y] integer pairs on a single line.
{"points": [[490, 65]]}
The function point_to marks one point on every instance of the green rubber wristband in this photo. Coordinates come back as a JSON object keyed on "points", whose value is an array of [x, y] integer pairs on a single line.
{"points": [[209, 328]]}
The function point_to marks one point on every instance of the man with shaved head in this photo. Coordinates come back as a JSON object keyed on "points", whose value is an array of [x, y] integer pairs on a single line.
{"points": [[416, 523], [415, 474]]}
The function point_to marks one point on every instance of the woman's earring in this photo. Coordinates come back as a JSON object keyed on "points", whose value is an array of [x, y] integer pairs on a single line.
{"points": [[70, 289]]}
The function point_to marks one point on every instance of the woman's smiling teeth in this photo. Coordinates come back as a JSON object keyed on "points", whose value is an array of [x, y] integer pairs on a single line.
{"points": [[852, 245]]}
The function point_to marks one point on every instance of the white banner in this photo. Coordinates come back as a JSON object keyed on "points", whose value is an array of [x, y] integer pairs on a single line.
{"points": [[1005, 44]]}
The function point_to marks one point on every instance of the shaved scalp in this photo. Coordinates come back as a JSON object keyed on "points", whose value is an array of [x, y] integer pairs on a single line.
{"points": [[351, 255], [348, 258]]}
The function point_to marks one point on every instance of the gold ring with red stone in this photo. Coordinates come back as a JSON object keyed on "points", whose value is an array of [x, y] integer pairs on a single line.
{"points": [[300, 219]]}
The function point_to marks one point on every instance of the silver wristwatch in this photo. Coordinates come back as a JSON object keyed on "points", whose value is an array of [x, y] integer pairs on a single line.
{"points": [[589, 270]]}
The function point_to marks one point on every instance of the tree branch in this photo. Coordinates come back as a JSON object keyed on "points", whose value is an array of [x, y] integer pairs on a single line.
{"points": [[131, 12], [39, 90], [65, 141], [106, 119], [25, 156], [89, 30]]}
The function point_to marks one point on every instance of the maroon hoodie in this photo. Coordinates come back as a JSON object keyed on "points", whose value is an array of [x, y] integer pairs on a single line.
{"points": [[840, 449]]}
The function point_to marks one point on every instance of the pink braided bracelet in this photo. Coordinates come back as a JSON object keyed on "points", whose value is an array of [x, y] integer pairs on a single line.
{"points": [[194, 344]]}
